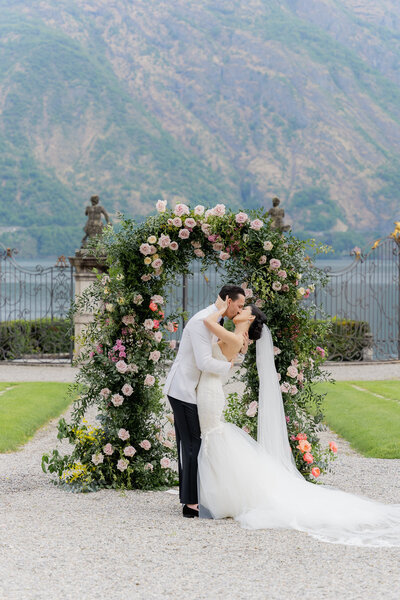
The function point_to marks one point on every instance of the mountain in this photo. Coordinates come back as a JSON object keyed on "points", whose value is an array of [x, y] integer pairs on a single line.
{"points": [[219, 100]]}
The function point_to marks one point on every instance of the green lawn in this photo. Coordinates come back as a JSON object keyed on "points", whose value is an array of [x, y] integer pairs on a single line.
{"points": [[371, 424], [26, 407]]}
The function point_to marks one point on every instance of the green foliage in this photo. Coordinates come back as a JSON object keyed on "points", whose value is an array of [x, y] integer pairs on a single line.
{"points": [[315, 208], [368, 418], [347, 339], [37, 336], [26, 407], [126, 346]]}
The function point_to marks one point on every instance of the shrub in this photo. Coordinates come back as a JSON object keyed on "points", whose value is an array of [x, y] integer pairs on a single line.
{"points": [[38, 336]]}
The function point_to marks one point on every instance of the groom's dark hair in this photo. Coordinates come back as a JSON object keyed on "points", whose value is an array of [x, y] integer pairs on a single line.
{"points": [[232, 291]]}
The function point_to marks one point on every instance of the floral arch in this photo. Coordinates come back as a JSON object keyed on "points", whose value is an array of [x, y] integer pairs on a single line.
{"points": [[128, 347]]}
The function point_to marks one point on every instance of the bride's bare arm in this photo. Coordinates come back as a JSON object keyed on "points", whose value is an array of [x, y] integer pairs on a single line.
{"points": [[233, 339]]}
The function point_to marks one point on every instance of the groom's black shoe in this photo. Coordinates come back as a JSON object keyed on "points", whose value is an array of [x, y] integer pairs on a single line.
{"points": [[189, 513]]}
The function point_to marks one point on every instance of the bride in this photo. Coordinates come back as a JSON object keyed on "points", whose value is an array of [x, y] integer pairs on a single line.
{"points": [[257, 483]]}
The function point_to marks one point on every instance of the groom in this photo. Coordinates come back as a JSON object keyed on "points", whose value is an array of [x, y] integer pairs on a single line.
{"points": [[194, 356]]}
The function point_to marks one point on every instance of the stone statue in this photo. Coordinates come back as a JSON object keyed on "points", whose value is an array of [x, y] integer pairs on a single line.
{"points": [[94, 225], [277, 215]]}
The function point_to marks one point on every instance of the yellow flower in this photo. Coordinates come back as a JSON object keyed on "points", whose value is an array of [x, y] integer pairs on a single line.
{"points": [[106, 291], [375, 244], [155, 256], [147, 260]]}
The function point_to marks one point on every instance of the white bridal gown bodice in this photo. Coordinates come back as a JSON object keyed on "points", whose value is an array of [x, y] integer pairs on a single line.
{"points": [[239, 479]]}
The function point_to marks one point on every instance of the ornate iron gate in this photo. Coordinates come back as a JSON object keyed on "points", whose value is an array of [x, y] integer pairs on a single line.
{"points": [[34, 305], [364, 302]]}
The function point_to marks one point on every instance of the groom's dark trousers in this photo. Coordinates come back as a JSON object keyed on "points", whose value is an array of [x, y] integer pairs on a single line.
{"points": [[188, 441]]}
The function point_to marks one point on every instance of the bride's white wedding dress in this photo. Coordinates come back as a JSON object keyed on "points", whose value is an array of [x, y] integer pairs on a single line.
{"points": [[239, 478]]}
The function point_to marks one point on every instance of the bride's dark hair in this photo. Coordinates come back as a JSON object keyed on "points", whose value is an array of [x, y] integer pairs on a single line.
{"points": [[255, 329]]}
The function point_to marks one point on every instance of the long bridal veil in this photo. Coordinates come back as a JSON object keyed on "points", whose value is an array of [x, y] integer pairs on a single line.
{"points": [[272, 431], [283, 498]]}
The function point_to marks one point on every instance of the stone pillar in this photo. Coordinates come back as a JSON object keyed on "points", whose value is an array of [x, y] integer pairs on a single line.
{"points": [[83, 264]]}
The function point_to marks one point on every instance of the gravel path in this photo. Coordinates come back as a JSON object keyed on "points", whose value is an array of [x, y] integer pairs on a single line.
{"points": [[57, 545]]}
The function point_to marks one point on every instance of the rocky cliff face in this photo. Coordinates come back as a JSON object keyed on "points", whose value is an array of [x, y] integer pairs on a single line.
{"points": [[226, 100]]}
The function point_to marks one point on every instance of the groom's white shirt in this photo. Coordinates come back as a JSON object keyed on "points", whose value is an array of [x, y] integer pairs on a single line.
{"points": [[194, 356]]}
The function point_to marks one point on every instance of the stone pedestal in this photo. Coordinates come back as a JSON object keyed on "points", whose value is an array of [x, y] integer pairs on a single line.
{"points": [[84, 264]]}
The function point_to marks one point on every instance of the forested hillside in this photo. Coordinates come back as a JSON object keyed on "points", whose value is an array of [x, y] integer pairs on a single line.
{"points": [[214, 100]]}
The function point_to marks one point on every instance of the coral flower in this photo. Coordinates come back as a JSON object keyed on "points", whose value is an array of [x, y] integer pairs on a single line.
{"points": [[153, 306], [333, 446], [304, 446], [308, 458], [316, 472]]}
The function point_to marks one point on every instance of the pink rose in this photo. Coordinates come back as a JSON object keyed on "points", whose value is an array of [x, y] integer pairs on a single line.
{"points": [[292, 371], [128, 319], [174, 246], [117, 399], [145, 249], [149, 380], [158, 336], [156, 264], [213, 238], [132, 368], [282, 274], [268, 246], [277, 350], [129, 451], [206, 229], [148, 467], [170, 327], [199, 209], [165, 462], [315, 472], [256, 224], [177, 222], [259, 303], [287, 419], [279, 376], [263, 260], [145, 277], [219, 210], [184, 234], [333, 447], [122, 464], [224, 255], [308, 458], [149, 324], [172, 344], [300, 377], [246, 429], [196, 244], [108, 449], [168, 444], [274, 263], [155, 355], [320, 351], [121, 366], [181, 209], [285, 387], [161, 205], [276, 286], [123, 435], [252, 410], [199, 253], [105, 392], [248, 293], [217, 246], [293, 390], [97, 459], [145, 445], [241, 218], [285, 287], [164, 241], [127, 389], [171, 434], [190, 223]]}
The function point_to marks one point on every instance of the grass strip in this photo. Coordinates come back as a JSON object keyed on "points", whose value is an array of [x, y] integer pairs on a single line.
{"points": [[26, 407], [371, 424]]}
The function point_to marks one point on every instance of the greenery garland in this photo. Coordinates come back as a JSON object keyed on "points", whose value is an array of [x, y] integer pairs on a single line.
{"points": [[127, 347]]}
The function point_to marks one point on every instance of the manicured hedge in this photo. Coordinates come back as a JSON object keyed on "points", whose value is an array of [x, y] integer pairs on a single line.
{"points": [[39, 336], [347, 340]]}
